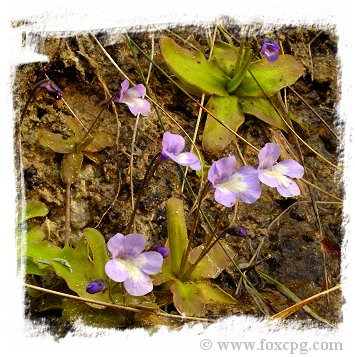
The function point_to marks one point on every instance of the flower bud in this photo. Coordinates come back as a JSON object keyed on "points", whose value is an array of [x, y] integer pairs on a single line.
{"points": [[52, 89], [236, 231], [160, 249], [96, 286]]}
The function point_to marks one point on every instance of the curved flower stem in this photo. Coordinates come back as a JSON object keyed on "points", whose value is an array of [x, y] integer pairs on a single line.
{"points": [[192, 233], [67, 213], [209, 245], [148, 174]]}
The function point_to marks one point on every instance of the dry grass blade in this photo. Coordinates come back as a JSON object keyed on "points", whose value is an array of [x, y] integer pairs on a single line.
{"points": [[292, 309], [117, 306]]}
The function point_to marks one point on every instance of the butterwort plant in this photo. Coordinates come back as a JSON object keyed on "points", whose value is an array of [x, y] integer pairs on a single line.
{"points": [[235, 82]]}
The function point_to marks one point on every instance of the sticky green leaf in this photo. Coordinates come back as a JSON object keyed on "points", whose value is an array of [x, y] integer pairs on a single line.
{"points": [[97, 245], [82, 269], [187, 298], [71, 166], [165, 274], [270, 76], [212, 293], [262, 109], [64, 263], [213, 263], [56, 142], [225, 56], [177, 232], [32, 210], [100, 141], [193, 68], [215, 137], [104, 318]]}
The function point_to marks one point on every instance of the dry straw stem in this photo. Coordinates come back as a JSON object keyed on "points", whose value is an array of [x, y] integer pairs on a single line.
{"points": [[118, 306], [292, 309]]}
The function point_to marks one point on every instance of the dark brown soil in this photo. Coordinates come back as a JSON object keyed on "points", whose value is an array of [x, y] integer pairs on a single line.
{"points": [[291, 251]]}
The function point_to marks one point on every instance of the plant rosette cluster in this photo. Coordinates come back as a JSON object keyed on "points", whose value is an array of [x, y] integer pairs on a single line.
{"points": [[235, 84]]}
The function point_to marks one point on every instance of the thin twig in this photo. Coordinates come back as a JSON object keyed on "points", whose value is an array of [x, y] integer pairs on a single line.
{"points": [[117, 306]]}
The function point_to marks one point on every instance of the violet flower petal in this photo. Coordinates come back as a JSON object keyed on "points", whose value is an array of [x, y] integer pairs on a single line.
{"points": [[136, 91], [173, 143], [222, 169], [132, 98], [247, 184], [187, 159], [288, 189], [115, 245], [225, 197], [133, 244], [138, 284], [124, 87], [268, 156], [243, 184], [291, 168], [117, 270], [137, 105], [270, 50], [149, 262]]}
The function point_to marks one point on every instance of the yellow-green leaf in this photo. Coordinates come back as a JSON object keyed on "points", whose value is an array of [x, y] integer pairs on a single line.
{"points": [[215, 137], [32, 210], [212, 293], [100, 141], [262, 109], [97, 245], [226, 57], [56, 142], [71, 166], [177, 232], [270, 76], [187, 298], [213, 263], [193, 68]]}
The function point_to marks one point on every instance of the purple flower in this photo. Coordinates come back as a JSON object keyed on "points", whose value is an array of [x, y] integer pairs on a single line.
{"points": [[232, 184], [96, 286], [130, 265], [133, 98], [270, 50], [160, 249], [278, 175], [173, 146], [52, 89]]}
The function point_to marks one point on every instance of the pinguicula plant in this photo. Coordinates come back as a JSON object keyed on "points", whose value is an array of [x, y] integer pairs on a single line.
{"points": [[191, 280], [235, 82], [79, 144]]}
